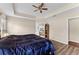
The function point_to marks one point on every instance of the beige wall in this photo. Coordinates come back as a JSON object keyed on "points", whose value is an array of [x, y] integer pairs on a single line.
{"points": [[59, 25], [20, 26]]}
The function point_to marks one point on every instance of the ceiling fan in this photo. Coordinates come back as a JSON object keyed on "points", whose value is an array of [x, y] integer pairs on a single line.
{"points": [[40, 7]]}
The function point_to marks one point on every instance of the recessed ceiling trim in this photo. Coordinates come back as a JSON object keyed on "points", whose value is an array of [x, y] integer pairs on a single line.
{"points": [[13, 6], [20, 17], [24, 15], [21, 14]]}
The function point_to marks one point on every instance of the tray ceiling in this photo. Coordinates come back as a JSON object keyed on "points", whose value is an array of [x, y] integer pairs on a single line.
{"points": [[27, 10]]}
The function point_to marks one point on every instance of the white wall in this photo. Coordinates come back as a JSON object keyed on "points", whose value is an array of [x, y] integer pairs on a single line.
{"points": [[59, 25], [20, 26], [74, 30], [59, 29]]}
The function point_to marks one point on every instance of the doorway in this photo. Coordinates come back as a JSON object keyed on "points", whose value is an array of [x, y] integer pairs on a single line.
{"points": [[73, 31]]}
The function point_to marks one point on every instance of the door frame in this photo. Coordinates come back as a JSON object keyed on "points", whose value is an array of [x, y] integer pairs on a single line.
{"points": [[70, 19]]}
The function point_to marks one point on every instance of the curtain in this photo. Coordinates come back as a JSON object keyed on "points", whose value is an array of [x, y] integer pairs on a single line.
{"points": [[3, 25]]}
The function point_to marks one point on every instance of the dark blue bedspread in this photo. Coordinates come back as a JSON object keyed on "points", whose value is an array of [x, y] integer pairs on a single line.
{"points": [[26, 45]]}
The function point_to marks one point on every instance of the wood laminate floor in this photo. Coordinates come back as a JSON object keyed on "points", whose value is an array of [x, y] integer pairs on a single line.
{"points": [[62, 49]]}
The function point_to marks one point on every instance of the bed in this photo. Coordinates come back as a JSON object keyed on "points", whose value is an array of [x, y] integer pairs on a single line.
{"points": [[30, 44]]}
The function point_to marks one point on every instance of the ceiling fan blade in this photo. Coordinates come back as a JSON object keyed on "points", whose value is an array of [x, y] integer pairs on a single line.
{"points": [[41, 5], [44, 8], [34, 6], [35, 10]]}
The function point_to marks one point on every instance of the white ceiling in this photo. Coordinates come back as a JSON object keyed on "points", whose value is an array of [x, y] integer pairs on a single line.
{"points": [[28, 10]]}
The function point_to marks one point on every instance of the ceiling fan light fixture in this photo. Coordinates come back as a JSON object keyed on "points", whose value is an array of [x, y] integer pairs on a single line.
{"points": [[40, 7]]}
